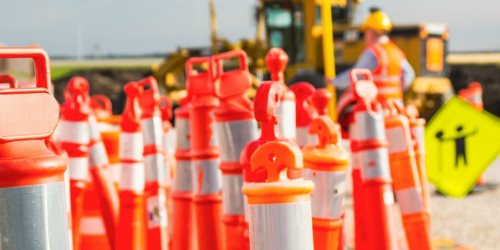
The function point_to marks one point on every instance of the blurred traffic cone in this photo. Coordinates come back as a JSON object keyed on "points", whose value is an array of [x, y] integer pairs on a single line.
{"points": [[279, 207], [406, 183], [74, 138], [130, 231], [183, 221], [157, 179], [207, 177], [326, 165], [166, 115], [305, 112], [236, 127], [371, 146]]}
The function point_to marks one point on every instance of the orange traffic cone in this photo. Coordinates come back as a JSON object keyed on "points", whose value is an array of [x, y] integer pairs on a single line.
{"points": [[207, 177], [371, 146], [279, 209], [130, 231], [236, 127], [326, 165], [406, 182]]}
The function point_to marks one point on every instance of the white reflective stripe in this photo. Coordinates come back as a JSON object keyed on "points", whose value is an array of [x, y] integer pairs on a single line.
{"points": [[207, 177], [94, 131], [183, 177], [74, 132], [397, 140], [97, 155], [370, 125], [132, 177], [152, 130], [388, 198], [245, 204], [182, 130], [166, 170], [154, 165], [131, 146], [232, 196], [389, 90], [67, 187], [92, 226], [78, 168], [355, 160], [70, 238], [286, 226], [169, 141], [286, 119], [115, 172], [214, 140], [302, 135], [476, 99], [328, 193], [353, 132], [157, 213], [418, 133], [374, 163], [410, 200], [234, 136]]}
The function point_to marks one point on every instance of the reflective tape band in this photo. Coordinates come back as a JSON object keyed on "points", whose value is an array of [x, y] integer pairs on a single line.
{"points": [[155, 167], [388, 198], [232, 196], [328, 193], [246, 205], [286, 119], [78, 168], [169, 141], [132, 177], [355, 161], [302, 135], [477, 98], [313, 139], [370, 125], [97, 155], [214, 140], [131, 146], [353, 132], [92, 226], [34, 217], [94, 131], [74, 132], [183, 177], [166, 171], [397, 140], [418, 133], [410, 200], [152, 130], [207, 177], [67, 188], [234, 136], [157, 213], [115, 172], [281, 226], [182, 130], [374, 163]]}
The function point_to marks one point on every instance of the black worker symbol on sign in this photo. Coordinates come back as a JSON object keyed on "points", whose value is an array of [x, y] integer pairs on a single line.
{"points": [[459, 137]]}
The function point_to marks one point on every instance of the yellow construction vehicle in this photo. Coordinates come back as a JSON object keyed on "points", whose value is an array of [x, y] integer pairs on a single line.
{"points": [[319, 38]]}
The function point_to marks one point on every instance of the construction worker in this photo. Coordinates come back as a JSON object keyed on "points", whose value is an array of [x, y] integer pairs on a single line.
{"points": [[392, 74]]}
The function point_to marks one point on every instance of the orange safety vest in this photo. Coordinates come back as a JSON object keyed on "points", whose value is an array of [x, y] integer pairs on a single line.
{"points": [[387, 76]]}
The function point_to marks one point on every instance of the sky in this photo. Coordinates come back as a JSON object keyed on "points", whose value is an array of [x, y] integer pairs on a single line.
{"points": [[158, 26]]}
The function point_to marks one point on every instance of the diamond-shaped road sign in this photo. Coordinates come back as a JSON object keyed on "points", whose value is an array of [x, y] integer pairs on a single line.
{"points": [[461, 143]]}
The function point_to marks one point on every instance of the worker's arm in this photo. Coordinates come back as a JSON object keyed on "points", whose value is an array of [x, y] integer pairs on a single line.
{"points": [[365, 61], [408, 74]]}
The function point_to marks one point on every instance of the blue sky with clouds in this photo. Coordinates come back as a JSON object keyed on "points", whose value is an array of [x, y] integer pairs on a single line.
{"points": [[149, 26]]}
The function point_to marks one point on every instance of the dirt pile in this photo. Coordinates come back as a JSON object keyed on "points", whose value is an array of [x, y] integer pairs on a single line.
{"points": [[107, 82], [487, 75]]}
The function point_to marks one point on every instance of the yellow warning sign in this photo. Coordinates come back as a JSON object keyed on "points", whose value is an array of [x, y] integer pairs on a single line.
{"points": [[461, 143]]}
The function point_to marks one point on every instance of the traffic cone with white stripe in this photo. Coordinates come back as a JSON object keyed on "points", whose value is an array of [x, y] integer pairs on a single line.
{"points": [[74, 138], [279, 209], [326, 164], [236, 127], [207, 177], [406, 180], [371, 146], [474, 95], [417, 126], [157, 183], [130, 234], [305, 112], [168, 150], [183, 221], [276, 61]]}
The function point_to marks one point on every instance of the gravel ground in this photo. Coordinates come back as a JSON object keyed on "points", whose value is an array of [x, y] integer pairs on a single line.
{"points": [[470, 221]]}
